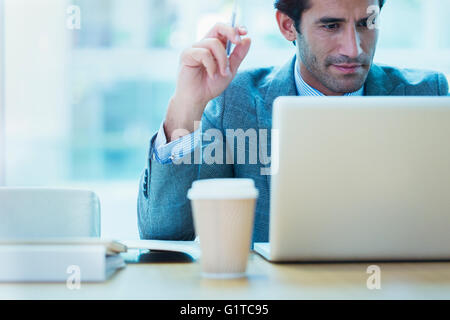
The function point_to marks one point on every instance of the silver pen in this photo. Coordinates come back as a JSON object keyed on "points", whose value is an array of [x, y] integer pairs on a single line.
{"points": [[233, 24]]}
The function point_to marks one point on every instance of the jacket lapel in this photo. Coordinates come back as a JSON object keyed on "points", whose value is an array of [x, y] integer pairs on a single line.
{"points": [[282, 83], [378, 82]]}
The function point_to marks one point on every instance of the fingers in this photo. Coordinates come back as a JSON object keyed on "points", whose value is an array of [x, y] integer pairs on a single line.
{"points": [[218, 46], [211, 54], [242, 30], [196, 57], [225, 32], [238, 55], [218, 50]]}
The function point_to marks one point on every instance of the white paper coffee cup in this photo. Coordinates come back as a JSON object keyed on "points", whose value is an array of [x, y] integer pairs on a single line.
{"points": [[223, 211]]}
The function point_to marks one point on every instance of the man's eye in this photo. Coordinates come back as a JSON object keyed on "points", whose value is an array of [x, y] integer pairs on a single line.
{"points": [[331, 26], [363, 24]]}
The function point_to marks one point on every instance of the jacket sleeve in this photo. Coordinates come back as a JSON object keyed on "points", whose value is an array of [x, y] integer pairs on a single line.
{"points": [[443, 85], [164, 212]]}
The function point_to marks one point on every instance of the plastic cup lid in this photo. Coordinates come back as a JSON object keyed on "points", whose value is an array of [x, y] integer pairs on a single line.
{"points": [[223, 189]]}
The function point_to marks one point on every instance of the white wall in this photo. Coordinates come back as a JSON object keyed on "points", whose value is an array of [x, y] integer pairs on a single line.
{"points": [[36, 54], [2, 107]]}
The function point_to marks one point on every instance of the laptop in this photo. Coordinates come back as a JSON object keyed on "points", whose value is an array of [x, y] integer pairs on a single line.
{"points": [[360, 179]]}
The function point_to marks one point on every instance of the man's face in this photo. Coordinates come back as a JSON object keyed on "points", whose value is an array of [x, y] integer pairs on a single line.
{"points": [[336, 44]]}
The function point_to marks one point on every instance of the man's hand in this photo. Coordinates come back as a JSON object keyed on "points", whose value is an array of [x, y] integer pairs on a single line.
{"points": [[205, 72]]}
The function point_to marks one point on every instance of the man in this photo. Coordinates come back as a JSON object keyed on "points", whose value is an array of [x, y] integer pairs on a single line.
{"points": [[336, 43]]}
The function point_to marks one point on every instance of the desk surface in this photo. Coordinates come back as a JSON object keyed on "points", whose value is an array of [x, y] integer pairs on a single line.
{"points": [[265, 281]]}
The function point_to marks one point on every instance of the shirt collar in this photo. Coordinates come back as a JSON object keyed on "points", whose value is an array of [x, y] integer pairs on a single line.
{"points": [[304, 89]]}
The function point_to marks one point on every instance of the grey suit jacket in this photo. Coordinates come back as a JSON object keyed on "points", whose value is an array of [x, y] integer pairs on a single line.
{"points": [[164, 212]]}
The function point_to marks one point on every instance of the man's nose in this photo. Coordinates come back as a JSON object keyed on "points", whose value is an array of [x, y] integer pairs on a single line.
{"points": [[350, 43]]}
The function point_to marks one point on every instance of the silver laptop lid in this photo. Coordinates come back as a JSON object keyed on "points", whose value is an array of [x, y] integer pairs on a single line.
{"points": [[361, 178]]}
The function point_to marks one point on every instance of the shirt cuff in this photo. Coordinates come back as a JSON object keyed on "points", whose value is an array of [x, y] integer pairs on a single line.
{"points": [[165, 153]]}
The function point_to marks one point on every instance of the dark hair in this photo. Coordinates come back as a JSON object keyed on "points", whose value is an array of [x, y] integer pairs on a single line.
{"points": [[294, 9]]}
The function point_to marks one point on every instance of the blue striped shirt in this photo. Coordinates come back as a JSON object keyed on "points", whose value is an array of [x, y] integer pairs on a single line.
{"points": [[165, 152]]}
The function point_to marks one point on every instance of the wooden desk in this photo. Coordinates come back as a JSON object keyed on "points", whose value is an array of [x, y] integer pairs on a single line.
{"points": [[264, 281]]}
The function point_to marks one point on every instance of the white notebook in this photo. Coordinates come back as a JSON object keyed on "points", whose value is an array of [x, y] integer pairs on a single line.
{"points": [[58, 260]]}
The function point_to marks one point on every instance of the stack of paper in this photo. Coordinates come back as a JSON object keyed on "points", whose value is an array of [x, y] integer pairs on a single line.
{"points": [[59, 260]]}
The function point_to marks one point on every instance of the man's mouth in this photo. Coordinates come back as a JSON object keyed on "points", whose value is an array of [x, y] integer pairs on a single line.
{"points": [[347, 68]]}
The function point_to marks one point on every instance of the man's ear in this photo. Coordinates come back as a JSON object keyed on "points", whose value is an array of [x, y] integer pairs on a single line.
{"points": [[286, 25]]}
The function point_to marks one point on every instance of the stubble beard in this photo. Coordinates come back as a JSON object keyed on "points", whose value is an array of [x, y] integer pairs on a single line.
{"points": [[346, 83]]}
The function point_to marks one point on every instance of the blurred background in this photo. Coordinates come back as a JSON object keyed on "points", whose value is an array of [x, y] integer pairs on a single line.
{"points": [[86, 82]]}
